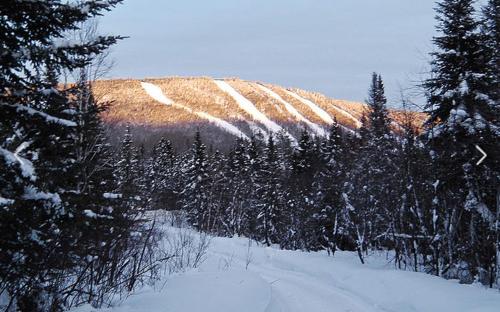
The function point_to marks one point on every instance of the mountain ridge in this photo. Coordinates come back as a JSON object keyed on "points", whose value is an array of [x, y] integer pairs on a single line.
{"points": [[226, 107]]}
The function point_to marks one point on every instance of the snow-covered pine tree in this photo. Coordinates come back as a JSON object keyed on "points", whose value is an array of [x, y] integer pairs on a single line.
{"points": [[462, 115], [126, 170], [255, 176], [271, 206], [373, 187], [305, 165], [490, 39], [162, 167], [37, 155], [196, 196], [490, 29], [413, 227], [221, 193], [239, 187], [329, 187], [142, 180]]}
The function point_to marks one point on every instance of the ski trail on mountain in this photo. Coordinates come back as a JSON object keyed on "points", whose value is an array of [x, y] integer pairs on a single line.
{"points": [[156, 93], [348, 115], [313, 106], [293, 111], [250, 108]]}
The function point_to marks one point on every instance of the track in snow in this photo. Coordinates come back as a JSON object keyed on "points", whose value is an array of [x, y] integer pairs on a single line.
{"points": [[156, 93], [293, 289], [241, 276]]}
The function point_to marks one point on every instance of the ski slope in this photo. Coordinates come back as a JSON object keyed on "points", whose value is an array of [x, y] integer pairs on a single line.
{"points": [[240, 276], [313, 106], [348, 115], [293, 111], [250, 108], [156, 93]]}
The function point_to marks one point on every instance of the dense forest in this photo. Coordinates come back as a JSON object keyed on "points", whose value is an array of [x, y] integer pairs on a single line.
{"points": [[73, 209]]}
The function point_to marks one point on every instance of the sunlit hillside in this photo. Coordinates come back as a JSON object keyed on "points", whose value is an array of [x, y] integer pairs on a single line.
{"points": [[226, 108]]}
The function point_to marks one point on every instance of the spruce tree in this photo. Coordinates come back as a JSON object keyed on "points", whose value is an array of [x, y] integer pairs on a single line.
{"points": [[305, 164], [126, 169], [162, 169], [490, 37], [38, 159], [239, 188], [271, 207], [196, 196], [372, 192], [462, 115], [329, 187]]}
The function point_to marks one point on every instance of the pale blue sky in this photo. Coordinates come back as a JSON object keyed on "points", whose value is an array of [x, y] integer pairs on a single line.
{"points": [[330, 46]]}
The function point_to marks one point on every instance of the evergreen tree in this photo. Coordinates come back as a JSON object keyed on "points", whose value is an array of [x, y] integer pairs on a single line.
{"points": [[329, 187], [305, 164], [239, 188], [490, 39], [271, 207], [196, 198], [372, 192], [126, 169], [462, 116], [221, 191], [39, 167], [413, 227], [162, 168]]}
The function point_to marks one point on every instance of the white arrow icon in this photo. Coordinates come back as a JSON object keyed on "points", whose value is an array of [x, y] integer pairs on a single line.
{"points": [[482, 158]]}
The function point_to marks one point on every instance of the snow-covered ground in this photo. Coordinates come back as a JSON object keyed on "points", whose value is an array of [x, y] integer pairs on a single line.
{"points": [[239, 276]]}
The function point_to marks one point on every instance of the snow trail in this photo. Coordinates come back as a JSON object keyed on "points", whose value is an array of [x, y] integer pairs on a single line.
{"points": [[313, 106], [293, 111], [250, 108], [156, 93], [241, 275]]}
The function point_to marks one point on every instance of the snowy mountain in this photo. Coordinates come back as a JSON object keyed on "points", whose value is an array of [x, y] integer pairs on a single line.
{"points": [[225, 108]]}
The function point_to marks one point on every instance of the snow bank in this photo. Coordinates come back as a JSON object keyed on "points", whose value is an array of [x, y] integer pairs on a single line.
{"points": [[293, 111], [230, 291]]}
